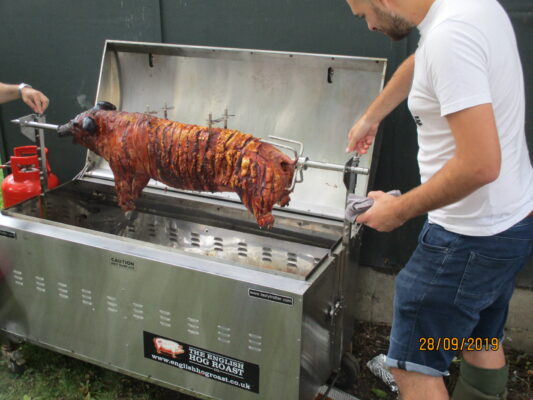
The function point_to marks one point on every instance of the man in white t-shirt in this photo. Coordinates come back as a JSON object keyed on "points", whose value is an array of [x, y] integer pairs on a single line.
{"points": [[466, 93]]}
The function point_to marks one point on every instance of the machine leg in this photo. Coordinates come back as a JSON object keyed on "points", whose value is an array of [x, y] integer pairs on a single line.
{"points": [[348, 372]]}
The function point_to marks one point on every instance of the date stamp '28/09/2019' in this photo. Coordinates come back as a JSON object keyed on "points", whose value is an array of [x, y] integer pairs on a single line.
{"points": [[458, 344]]}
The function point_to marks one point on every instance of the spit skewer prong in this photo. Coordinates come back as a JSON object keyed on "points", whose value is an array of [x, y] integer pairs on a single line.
{"points": [[225, 118], [302, 163], [298, 174]]}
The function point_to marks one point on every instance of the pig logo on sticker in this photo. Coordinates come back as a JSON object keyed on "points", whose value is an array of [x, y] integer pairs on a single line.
{"points": [[164, 346]]}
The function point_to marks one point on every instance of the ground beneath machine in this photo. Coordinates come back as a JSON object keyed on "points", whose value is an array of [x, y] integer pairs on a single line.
{"points": [[52, 375]]}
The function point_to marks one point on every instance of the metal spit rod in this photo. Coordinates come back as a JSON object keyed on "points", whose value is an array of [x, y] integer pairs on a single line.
{"points": [[296, 147], [335, 167], [34, 124], [302, 163]]}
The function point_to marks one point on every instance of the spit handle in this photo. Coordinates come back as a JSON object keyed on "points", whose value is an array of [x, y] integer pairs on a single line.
{"points": [[34, 124]]}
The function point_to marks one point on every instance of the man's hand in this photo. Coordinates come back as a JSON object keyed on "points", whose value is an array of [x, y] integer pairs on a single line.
{"points": [[35, 99], [363, 133], [361, 136], [383, 216]]}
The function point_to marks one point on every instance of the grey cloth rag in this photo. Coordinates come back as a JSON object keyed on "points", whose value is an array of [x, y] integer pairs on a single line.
{"points": [[358, 204]]}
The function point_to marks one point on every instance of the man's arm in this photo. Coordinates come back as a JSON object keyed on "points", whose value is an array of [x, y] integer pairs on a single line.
{"points": [[33, 98], [8, 92], [476, 162], [397, 89]]}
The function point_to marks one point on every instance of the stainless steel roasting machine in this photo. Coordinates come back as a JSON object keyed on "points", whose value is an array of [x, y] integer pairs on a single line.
{"points": [[186, 291]]}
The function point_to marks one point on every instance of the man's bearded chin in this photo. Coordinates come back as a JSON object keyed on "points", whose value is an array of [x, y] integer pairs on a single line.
{"points": [[400, 29], [394, 26]]}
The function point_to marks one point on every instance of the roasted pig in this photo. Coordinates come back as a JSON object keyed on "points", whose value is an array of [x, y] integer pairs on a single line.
{"points": [[190, 157]]}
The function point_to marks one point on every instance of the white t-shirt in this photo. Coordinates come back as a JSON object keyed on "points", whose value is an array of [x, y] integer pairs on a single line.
{"points": [[467, 56]]}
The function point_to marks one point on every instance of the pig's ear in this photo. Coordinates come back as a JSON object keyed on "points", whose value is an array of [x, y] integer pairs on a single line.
{"points": [[105, 105], [89, 125]]}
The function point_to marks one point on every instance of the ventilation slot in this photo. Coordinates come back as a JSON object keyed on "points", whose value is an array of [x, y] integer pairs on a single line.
{"points": [[173, 234], [242, 249], [165, 318], [219, 244], [193, 325], [87, 297], [40, 284], [19, 279], [255, 342], [195, 239], [138, 311], [224, 334], [267, 254], [151, 230], [292, 260]]}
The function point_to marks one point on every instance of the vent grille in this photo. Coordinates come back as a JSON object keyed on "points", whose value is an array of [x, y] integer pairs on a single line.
{"points": [[219, 244], [195, 239], [242, 249], [267, 254]]}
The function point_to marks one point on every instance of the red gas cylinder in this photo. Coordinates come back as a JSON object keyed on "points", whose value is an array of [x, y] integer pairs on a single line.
{"points": [[24, 182]]}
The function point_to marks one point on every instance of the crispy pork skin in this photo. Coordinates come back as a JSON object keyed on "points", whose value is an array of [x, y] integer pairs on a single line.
{"points": [[190, 157]]}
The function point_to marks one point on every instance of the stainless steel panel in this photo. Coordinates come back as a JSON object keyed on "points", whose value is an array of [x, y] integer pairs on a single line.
{"points": [[76, 299], [66, 290], [270, 93], [319, 354]]}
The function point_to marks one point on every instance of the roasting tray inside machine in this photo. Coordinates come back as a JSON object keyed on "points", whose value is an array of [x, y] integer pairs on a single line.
{"points": [[186, 291], [181, 223]]}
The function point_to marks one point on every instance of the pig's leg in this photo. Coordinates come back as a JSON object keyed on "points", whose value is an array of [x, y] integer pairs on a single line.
{"points": [[128, 185]]}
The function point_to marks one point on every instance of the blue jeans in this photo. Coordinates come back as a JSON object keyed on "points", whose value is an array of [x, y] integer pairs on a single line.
{"points": [[454, 292]]}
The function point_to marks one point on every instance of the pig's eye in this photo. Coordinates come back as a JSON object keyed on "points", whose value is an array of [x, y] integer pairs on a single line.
{"points": [[89, 125]]}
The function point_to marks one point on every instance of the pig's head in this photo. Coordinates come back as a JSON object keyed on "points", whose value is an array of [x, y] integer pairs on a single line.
{"points": [[84, 127]]}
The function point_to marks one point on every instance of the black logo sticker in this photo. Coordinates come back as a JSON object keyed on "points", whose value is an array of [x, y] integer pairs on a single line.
{"points": [[218, 367], [9, 234], [271, 297]]}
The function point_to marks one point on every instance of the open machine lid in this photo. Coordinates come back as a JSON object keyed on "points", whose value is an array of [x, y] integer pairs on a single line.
{"points": [[310, 98]]}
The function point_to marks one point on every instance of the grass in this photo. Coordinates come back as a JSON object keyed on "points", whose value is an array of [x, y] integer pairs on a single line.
{"points": [[52, 376]]}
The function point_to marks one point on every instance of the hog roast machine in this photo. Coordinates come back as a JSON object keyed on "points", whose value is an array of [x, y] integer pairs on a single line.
{"points": [[186, 291]]}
